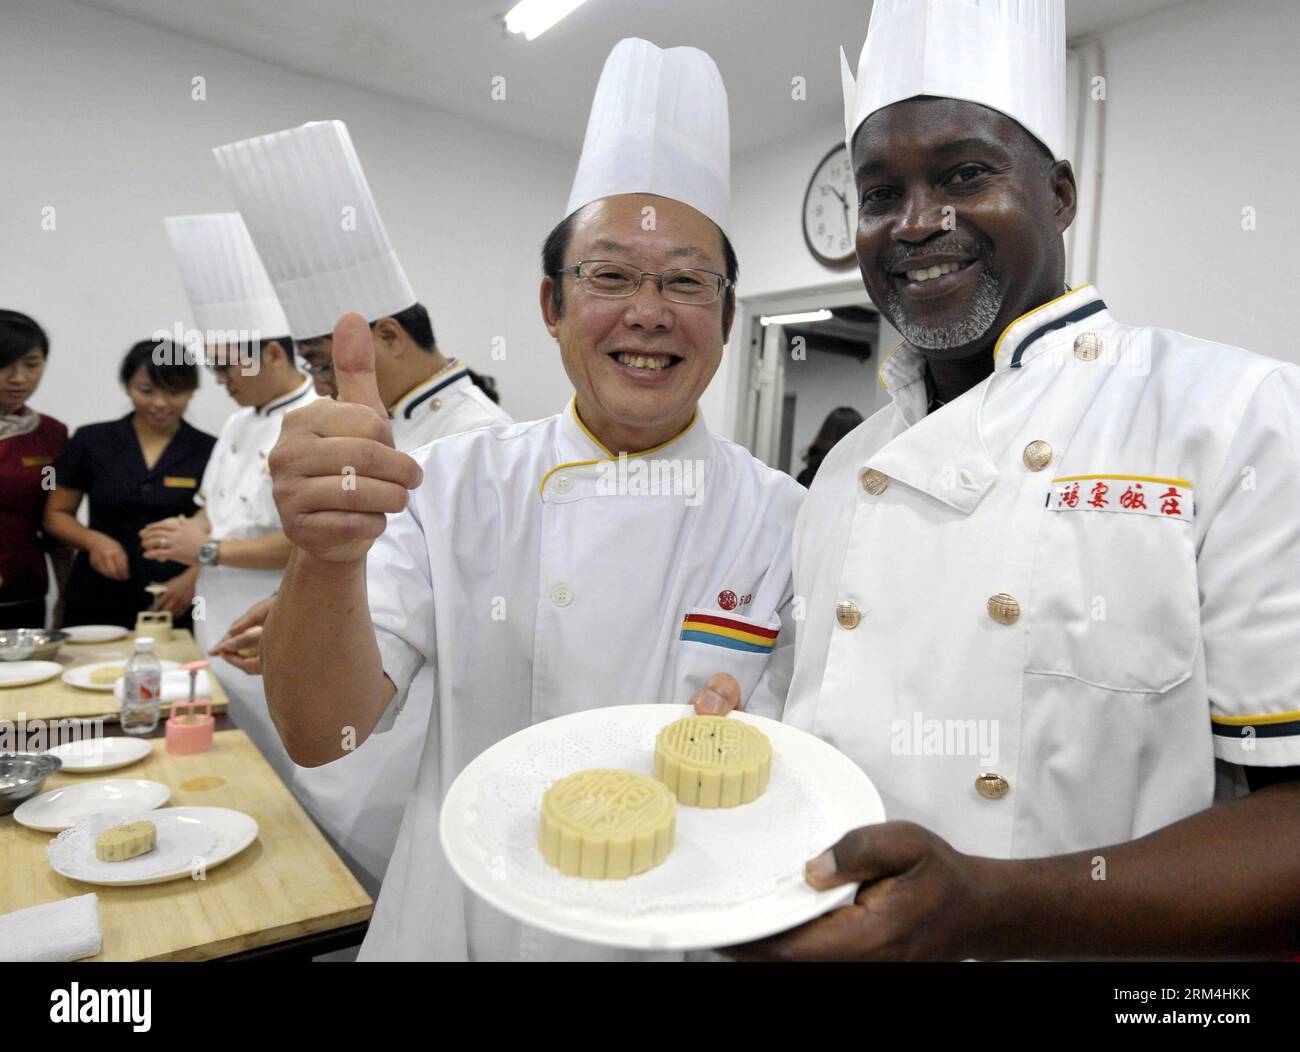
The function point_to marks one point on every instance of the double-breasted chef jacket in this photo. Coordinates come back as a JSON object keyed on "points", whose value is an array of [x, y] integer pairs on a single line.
{"points": [[540, 575], [1037, 616]]}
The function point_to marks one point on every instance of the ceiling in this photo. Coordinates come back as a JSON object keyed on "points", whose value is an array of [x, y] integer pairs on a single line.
{"points": [[444, 54]]}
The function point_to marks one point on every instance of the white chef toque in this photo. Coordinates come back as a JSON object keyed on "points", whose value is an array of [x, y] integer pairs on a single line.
{"points": [[224, 279], [308, 206], [658, 125], [1008, 55]]}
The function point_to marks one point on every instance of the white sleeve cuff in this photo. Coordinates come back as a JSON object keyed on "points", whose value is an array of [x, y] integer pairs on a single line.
{"points": [[401, 662]]}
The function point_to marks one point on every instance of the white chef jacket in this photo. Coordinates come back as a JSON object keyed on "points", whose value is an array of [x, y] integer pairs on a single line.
{"points": [[1149, 640], [536, 584], [358, 800], [236, 491]]}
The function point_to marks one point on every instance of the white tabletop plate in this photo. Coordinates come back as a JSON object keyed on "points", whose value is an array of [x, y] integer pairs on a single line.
{"points": [[25, 673], [734, 874], [80, 676], [190, 840], [95, 633], [101, 754], [63, 808]]}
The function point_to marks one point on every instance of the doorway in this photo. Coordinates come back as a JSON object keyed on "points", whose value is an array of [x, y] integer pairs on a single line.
{"points": [[808, 354]]}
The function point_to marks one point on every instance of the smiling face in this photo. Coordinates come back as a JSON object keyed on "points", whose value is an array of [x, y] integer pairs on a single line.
{"points": [[160, 407], [639, 364], [960, 218]]}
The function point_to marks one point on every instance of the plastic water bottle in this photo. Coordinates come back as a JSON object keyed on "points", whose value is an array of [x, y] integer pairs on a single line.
{"points": [[142, 689]]}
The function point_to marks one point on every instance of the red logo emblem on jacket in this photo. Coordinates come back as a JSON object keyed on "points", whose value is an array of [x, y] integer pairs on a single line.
{"points": [[727, 600]]}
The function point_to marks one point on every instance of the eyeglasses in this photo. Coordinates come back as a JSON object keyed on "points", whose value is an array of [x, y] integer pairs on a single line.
{"points": [[324, 371], [603, 277]]}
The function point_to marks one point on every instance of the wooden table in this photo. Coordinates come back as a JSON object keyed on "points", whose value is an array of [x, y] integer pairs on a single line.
{"points": [[287, 887], [55, 700]]}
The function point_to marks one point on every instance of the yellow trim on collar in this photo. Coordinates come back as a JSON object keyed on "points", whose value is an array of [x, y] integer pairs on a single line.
{"points": [[609, 455], [1030, 313], [1126, 478], [879, 372], [1243, 721]]}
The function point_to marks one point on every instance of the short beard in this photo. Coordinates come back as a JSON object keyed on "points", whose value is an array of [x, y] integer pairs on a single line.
{"points": [[986, 302]]}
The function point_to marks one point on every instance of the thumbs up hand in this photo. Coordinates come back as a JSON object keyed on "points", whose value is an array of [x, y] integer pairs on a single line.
{"points": [[334, 468]]}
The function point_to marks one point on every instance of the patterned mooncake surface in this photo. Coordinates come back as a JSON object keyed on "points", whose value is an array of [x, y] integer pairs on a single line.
{"points": [[605, 824], [713, 761]]}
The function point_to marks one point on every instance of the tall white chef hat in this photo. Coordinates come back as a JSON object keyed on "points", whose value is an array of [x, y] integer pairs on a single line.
{"points": [[307, 204], [1008, 55], [658, 125], [224, 279]]}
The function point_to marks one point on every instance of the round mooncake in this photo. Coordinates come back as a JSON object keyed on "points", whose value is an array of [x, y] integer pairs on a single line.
{"points": [[606, 825], [713, 761]]}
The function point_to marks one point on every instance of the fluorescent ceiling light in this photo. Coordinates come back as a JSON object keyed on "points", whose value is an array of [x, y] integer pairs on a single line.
{"points": [[790, 319], [535, 17]]}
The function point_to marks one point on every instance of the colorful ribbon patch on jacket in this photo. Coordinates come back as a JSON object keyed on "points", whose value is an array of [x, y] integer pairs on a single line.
{"points": [[1126, 494], [729, 632]]}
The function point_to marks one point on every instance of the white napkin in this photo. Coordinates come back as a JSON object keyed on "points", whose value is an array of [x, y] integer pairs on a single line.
{"points": [[175, 686], [65, 930]]}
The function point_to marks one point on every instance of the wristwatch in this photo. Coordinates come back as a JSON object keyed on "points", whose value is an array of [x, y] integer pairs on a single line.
{"points": [[208, 553]]}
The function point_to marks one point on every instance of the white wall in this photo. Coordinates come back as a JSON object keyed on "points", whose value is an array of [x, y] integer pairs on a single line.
{"points": [[767, 189], [99, 123], [1200, 122]]}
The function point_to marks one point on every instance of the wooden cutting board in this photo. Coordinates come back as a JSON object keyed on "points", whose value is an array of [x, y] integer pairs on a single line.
{"points": [[288, 883], [56, 700]]}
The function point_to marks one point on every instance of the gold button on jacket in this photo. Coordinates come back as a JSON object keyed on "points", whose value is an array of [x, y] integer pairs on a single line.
{"points": [[874, 482], [1037, 455], [992, 786], [1087, 346], [1003, 608], [847, 614]]}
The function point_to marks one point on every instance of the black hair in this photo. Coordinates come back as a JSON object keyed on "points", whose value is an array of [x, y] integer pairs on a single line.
{"points": [[486, 384], [162, 364], [838, 423], [19, 335], [415, 320], [556, 246]]}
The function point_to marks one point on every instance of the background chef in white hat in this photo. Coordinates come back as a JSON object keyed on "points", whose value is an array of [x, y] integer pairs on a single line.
{"points": [[532, 582], [1056, 583], [236, 539], [315, 223]]}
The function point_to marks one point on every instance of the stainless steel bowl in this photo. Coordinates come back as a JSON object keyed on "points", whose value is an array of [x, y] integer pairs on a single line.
{"points": [[22, 774], [35, 644]]}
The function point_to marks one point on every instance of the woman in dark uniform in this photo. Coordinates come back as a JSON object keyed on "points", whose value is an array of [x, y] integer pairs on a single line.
{"points": [[136, 470], [29, 444]]}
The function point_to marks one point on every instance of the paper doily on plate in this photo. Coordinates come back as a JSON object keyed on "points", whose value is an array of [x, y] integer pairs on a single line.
{"points": [[180, 845], [503, 827]]}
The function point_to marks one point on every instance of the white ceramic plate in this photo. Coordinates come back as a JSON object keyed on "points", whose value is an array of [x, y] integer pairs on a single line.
{"points": [[95, 633], [63, 808], [25, 673], [734, 874], [80, 676], [187, 837], [101, 754]]}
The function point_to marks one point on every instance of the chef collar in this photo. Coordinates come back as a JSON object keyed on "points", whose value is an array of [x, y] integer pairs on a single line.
{"points": [[285, 402], [944, 453], [580, 453], [902, 373], [421, 393]]}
